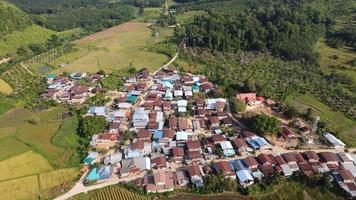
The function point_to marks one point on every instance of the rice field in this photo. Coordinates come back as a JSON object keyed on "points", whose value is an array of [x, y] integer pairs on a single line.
{"points": [[117, 48], [21, 188], [51, 179], [5, 88]]}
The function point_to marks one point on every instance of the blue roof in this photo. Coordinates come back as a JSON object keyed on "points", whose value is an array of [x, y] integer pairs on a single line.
{"points": [[131, 99], [51, 76], [244, 175], [254, 144], [93, 175], [261, 141], [158, 135], [229, 152], [238, 165]]}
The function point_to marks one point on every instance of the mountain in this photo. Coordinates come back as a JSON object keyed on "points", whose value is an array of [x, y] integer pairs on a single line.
{"points": [[12, 18]]}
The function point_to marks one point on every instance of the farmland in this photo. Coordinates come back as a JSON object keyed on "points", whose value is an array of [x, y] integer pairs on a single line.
{"points": [[32, 34], [116, 48], [29, 176], [5, 88], [28, 157], [109, 193], [36, 130], [342, 125], [332, 58]]}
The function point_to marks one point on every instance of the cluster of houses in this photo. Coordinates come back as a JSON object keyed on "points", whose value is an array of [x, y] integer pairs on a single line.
{"points": [[66, 89], [179, 129]]}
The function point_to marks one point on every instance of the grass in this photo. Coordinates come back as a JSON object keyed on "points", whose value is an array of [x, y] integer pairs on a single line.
{"points": [[11, 143], [6, 103], [150, 15], [23, 165], [328, 63], [36, 130], [188, 16], [336, 120], [16, 39], [66, 135], [5, 88], [21, 188], [117, 48], [51, 179]]}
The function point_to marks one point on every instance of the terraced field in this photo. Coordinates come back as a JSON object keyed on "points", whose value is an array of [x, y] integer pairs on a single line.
{"points": [[109, 193]]}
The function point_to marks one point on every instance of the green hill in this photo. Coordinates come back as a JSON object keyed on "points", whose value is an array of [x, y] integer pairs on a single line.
{"points": [[12, 18]]}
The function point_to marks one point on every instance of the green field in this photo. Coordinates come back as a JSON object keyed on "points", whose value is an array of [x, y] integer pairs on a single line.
{"points": [[35, 130], [6, 103], [150, 15], [32, 34], [21, 188], [332, 58], [188, 16], [5, 88], [116, 48], [66, 135], [336, 120]]}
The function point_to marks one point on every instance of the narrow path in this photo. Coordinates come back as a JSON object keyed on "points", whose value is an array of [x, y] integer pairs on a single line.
{"points": [[29, 71]]}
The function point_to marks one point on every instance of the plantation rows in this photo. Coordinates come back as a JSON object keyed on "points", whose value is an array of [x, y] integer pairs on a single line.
{"points": [[22, 82], [50, 55], [114, 193]]}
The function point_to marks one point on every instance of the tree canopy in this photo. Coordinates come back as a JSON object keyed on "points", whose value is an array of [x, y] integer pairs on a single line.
{"points": [[264, 124], [89, 125]]}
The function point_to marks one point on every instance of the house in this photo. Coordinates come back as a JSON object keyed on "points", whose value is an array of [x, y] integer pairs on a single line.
{"points": [[249, 98], [247, 135], [134, 165], [287, 133], [185, 124], [91, 158], [240, 146], [143, 134], [220, 105], [227, 148], [245, 177], [311, 156], [214, 122], [266, 170], [159, 182], [217, 138], [199, 102], [181, 178], [306, 168], [266, 159], [177, 154], [101, 173], [181, 137], [225, 168], [140, 118], [338, 144], [173, 122], [284, 166], [195, 175], [168, 135], [114, 127], [292, 160], [193, 157], [113, 158], [251, 162], [98, 110], [159, 162], [258, 142], [193, 145], [330, 159]]}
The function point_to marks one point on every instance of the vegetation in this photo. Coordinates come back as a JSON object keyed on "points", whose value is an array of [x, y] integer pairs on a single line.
{"points": [[89, 125], [216, 184], [289, 30], [264, 124], [67, 136], [117, 48], [112, 82], [109, 193], [5, 88], [63, 15], [12, 18], [237, 105]]}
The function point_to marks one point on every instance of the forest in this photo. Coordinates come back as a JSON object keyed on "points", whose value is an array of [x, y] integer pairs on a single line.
{"points": [[11, 18]]}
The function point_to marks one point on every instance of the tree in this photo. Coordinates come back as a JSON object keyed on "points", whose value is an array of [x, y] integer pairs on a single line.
{"points": [[89, 125], [264, 124], [126, 135], [291, 112], [239, 106]]}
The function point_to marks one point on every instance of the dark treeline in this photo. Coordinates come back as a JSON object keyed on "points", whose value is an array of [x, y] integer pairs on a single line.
{"points": [[345, 36], [289, 31], [62, 15], [11, 18]]}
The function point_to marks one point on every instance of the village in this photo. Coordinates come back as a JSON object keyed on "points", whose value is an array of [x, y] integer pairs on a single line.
{"points": [[181, 133]]}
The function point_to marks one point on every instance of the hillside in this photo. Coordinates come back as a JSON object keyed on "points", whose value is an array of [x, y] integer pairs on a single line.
{"points": [[12, 18]]}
